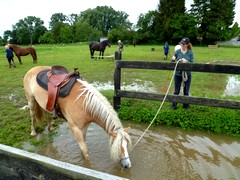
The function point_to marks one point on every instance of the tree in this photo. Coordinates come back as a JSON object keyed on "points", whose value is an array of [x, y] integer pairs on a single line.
{"points": [[46, 38], [104, 18], [85, 32], [7, 36], [28, 30], [145, 26], [169, 11], [214, 19], [56, 18]]}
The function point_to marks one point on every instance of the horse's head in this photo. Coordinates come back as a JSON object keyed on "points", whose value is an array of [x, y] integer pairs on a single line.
{"points": [[120, 144], [108, 44], [9, 46]]}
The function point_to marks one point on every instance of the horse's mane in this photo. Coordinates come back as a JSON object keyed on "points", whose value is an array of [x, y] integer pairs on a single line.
{"points": [[99, 107], [115, 147]]}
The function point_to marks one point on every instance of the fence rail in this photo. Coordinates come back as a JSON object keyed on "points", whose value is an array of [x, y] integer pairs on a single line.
{"points": [[210, 68]]}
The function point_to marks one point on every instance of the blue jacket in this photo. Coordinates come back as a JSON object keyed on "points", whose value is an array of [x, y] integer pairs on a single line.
{"points": [[188, 56], [9, 53], [166, 48]]}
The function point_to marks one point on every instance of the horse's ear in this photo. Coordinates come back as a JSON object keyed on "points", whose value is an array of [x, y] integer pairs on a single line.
{"points": [[127, 128]]}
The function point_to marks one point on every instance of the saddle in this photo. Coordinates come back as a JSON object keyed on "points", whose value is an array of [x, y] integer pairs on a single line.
{"points": [[58, 82]]}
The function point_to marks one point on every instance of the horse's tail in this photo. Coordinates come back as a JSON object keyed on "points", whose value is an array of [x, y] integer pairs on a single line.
{"points": [[33, 53], [39, 112]]}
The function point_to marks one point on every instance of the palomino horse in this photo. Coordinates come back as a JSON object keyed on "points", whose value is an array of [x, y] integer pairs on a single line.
{"points": [[82, 106], [95, 46], [23, 52]]}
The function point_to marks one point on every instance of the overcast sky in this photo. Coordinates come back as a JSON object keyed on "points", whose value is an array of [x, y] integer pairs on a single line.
{"points": [[14, 10]]}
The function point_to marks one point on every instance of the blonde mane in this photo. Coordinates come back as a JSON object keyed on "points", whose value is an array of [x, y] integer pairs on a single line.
{"points": [[99, 107], [115, 147]]}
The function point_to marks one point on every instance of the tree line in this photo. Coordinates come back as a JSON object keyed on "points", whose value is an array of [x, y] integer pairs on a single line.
{"points": [[206, 22]]}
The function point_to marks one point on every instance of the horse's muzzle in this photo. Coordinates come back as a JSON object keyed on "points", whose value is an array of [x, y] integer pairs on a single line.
{"points": [[125, 163]]}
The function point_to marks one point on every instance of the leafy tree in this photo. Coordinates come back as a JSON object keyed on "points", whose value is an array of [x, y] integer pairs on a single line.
{"points": [[28, 30], [145, 26], [85, 32], [235, 30], [7, 36], [56, 18], [183, 26], [169, 12], [104, 18], [121, 33], [46, 38], [65, 34], [214, 19]]}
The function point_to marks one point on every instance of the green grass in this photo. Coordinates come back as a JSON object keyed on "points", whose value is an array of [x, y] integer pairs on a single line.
{"points": [[15, 123]]}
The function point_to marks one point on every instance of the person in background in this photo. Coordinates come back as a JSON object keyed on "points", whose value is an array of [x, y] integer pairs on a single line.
{"points": [[134, 43], [120, 46], [10, 56], [166, 50], [183, 55]]}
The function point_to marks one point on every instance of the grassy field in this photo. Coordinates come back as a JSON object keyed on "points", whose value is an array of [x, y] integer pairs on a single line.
{"points": [[15, 122]]}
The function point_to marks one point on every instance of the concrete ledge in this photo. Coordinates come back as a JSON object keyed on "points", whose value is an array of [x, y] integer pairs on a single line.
{"points": [[20, 164]]}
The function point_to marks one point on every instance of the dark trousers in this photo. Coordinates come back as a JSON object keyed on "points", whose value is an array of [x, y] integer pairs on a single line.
{"points": [[11, 62], [177, 87]]}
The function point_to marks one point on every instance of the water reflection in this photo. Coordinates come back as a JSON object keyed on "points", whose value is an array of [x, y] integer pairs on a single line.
{"points": [[163, 153], [233, 86], [138, 85]]}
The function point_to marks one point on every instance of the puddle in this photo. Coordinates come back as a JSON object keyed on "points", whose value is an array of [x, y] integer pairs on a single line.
{"points": [[138, 85], [233, 86]]}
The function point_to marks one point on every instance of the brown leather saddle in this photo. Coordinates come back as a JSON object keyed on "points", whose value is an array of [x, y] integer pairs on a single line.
{"points": [[58, 82]]}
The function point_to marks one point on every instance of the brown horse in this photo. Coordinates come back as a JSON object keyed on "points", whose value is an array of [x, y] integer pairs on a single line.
{"points": [[82, 106], [23, 52]]}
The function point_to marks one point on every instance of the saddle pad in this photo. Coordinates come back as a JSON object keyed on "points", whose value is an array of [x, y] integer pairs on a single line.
{"points": [[42, 81]]}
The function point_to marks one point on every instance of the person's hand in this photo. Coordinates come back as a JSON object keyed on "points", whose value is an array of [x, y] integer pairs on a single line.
{"points": [[173, 59]]}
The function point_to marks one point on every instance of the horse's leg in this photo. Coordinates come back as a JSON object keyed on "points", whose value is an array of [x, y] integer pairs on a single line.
{"points": [[100, 53], [80, 136], [34, 58], [49, 121], [19, 59], [31, 105], [91, 53]]}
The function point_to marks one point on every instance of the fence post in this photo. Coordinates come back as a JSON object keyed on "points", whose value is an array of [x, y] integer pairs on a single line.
{"points": [[118, 55], [117, 84]]}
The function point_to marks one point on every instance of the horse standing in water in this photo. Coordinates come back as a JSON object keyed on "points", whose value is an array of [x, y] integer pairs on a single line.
{"points": [[23, 52], [95, 46], [82, 106]]}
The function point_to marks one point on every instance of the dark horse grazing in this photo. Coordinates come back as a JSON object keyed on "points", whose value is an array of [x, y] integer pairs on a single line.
{"points": [[23, 52], [95, 46]]}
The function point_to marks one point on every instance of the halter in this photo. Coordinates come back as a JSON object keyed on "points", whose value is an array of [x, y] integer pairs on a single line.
{"points": [[121, 159]]}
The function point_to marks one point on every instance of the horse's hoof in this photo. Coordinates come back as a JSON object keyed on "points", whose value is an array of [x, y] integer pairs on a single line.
{"points": [[33, 133], [51, 128]]}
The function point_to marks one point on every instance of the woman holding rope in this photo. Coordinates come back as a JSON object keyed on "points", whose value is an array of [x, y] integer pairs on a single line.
{"points": [[183, 55]]}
